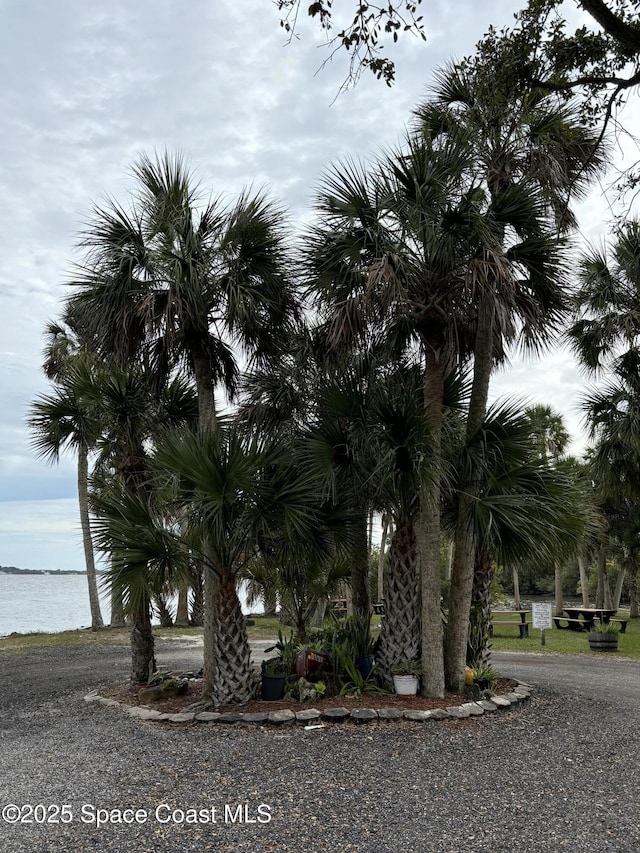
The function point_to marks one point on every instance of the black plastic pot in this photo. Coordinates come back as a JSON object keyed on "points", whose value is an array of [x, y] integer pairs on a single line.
{"points": [[273, 687]]}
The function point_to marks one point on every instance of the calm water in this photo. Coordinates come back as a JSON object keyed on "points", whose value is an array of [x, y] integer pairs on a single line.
{"points": [[45, 603], [53, 602]]}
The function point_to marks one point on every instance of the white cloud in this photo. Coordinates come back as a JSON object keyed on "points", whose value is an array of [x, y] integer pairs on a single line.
{"points": [[86, 88], [41, 535]]}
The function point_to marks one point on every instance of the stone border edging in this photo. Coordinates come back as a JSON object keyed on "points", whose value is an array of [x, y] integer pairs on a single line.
{"points": [[311, 717]]}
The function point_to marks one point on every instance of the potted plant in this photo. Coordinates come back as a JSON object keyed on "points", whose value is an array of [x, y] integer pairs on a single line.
{"points": [[358, 634], [274, 679], [484, 676], [604, 637], [406, 675], [277, 669]]}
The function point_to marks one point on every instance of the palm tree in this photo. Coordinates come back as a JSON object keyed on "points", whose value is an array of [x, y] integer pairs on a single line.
{"points": [[532, 154], [332, 397], [399, 444], [68, 418], [394, 248], [188, 285], [133, 417], [243, 495], [604, 336], [527, 506], [607, 303]]}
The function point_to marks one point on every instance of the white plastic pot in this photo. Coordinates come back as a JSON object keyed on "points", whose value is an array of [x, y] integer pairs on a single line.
{"points": [[405, 685]]}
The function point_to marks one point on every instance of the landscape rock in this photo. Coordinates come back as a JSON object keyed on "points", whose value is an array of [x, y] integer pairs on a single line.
{"points": [[438, 714], [389, 714], [280, 717], [364, 715], [501, 702], [474, 708], [181, 718], [308, 715], [335, 715], [143, 713], [230, 717], [418, 716], [458, 712], [256, 717]]}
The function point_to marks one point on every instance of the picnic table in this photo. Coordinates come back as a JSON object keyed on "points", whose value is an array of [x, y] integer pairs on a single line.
{"points": [[583, 618], [521, 622]]}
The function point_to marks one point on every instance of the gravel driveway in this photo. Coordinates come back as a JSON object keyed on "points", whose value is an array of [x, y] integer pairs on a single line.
{"points": [[558, 772]]}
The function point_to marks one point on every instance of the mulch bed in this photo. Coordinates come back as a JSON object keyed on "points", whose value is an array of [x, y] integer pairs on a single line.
{"points": [[129, 695]]}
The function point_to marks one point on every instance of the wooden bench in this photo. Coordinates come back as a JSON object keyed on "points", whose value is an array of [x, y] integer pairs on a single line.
{"points": [[572, 624], [523, 626], [622, 623]]}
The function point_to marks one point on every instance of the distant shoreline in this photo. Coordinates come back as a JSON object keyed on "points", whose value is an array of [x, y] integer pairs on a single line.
{"points": [[12, 570]]}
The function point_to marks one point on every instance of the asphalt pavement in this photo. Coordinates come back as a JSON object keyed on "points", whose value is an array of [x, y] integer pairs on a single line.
{"points": [[558, 772]]}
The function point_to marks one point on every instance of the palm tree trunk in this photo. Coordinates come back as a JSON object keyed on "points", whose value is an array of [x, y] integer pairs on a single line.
{"points": [[428, 534], [449, 568], [478, 643], [319, 613], [557, 576], [603, 595], [584, 580], [143, 661], [632, 573], [83, 500], [234, 682], [455, 641], [182, 611], [117, 609], [360, 566], [270, 602], [617, 594], [196, 604], [381, 555], [516, 588], [211, 634], [207, 420], [400, 627]]}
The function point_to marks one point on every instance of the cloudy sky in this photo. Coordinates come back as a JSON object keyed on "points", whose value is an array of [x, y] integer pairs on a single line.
{"points": [[86, 87]]}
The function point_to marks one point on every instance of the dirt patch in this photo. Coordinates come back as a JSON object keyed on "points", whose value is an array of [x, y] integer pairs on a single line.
{"points": [[129, 695]]}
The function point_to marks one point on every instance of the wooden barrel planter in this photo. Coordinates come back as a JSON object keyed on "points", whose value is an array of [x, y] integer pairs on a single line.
{"points": [[603, 642]]}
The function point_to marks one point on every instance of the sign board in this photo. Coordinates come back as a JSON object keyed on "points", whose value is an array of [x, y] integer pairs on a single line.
{"points": [[542, 615]]}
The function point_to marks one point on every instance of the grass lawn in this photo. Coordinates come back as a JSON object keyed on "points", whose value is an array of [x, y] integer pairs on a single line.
{"points": [[266, 628], [559, 641]]}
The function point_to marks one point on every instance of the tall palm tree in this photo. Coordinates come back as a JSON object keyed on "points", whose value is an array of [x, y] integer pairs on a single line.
{"points": [[420, 247], [189, 284], [527, 505], [605, 338], [532, 155], [68, 418], [133, 417], [607, 303], [394, 248], [332, 396], [399, 444]]}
